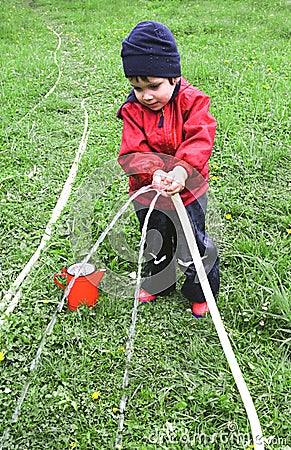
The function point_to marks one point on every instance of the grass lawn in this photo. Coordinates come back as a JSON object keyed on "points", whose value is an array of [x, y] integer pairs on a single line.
{"points": [[181, 393]]}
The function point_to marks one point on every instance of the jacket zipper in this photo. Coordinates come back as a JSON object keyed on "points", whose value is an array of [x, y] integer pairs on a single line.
{"points": [[161, 121]]}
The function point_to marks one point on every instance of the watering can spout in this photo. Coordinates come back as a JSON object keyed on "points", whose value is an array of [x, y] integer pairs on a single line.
{"points": [[97, 276]]}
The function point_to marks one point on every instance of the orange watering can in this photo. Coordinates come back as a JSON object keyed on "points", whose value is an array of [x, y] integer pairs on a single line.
{"points": [[85, 287]]}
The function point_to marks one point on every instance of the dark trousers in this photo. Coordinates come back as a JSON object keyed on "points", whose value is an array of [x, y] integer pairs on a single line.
{"points": [[166, 245]]}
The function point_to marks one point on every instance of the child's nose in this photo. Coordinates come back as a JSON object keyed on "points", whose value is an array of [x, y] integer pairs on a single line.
{"points": [[147, 95]]}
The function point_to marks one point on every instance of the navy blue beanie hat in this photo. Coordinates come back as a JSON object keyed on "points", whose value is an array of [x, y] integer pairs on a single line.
{"points": [[150, 50]]}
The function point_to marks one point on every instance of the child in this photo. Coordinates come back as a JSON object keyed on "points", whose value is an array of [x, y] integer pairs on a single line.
{"points": [[167, 139]]}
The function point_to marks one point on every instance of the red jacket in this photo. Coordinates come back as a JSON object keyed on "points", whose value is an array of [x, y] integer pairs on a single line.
{"points": [[183, 136]]}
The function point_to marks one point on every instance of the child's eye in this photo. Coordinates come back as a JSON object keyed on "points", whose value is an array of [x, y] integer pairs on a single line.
{"points": [[138, 89], [154, 86]]}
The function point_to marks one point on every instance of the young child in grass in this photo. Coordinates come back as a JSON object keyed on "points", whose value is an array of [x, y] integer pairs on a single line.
{"points": [[167, 139]]}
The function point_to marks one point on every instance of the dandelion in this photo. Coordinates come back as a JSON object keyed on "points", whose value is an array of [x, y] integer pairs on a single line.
{"points": [[231, 426], [267, 87], [96, 395], [288, 230], [73, 444], [115, 410], [228, 216], [214, 166], [226, 60], [121, 349], [1, 356], [269, 69], [214, 178]]}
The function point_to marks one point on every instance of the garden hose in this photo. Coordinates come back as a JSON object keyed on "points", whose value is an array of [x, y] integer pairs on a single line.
{"points": [[223, 337]]}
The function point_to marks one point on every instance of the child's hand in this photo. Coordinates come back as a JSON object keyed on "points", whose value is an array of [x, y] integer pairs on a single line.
{"points": [[170, 183]]}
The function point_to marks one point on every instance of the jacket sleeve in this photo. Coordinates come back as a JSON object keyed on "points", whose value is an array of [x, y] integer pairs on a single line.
{"points": [[135, 156], [198, 131]]}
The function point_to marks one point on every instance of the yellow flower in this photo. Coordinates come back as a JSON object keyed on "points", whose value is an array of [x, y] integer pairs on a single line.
{"points": [[214, 178], [96, 395], [266, 87], [115, 410], [226, 60], [288, 230], [228, 216], [73, 444], [214, 166], [121, 349], [1, 356]]}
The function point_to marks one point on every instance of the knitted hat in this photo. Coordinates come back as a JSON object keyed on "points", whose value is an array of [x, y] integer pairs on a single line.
{"points": [[150, 50]]}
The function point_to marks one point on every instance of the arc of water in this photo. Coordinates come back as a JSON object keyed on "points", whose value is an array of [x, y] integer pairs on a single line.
{"points": [[50, 327], [131, 334]]}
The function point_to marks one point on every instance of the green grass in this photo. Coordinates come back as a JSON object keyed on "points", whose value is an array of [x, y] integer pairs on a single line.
{"points": [[181, 393]]}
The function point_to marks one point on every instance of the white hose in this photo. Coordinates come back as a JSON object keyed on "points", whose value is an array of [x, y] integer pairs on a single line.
{"points": [[223, 337]]}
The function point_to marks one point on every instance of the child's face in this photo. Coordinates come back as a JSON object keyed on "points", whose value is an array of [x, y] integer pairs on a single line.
{"points": [[154, 93]]}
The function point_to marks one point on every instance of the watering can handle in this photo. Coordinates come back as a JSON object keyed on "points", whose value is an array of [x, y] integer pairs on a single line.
{"points": [[60, 274]]}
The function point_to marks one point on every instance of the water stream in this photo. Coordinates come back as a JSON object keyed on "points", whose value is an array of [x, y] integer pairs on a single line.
{"points": [[130, 341], [60, 306]]}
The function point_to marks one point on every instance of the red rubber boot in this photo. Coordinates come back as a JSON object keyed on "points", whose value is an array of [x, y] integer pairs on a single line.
{"points": [[145, 297], [199, 309]]}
